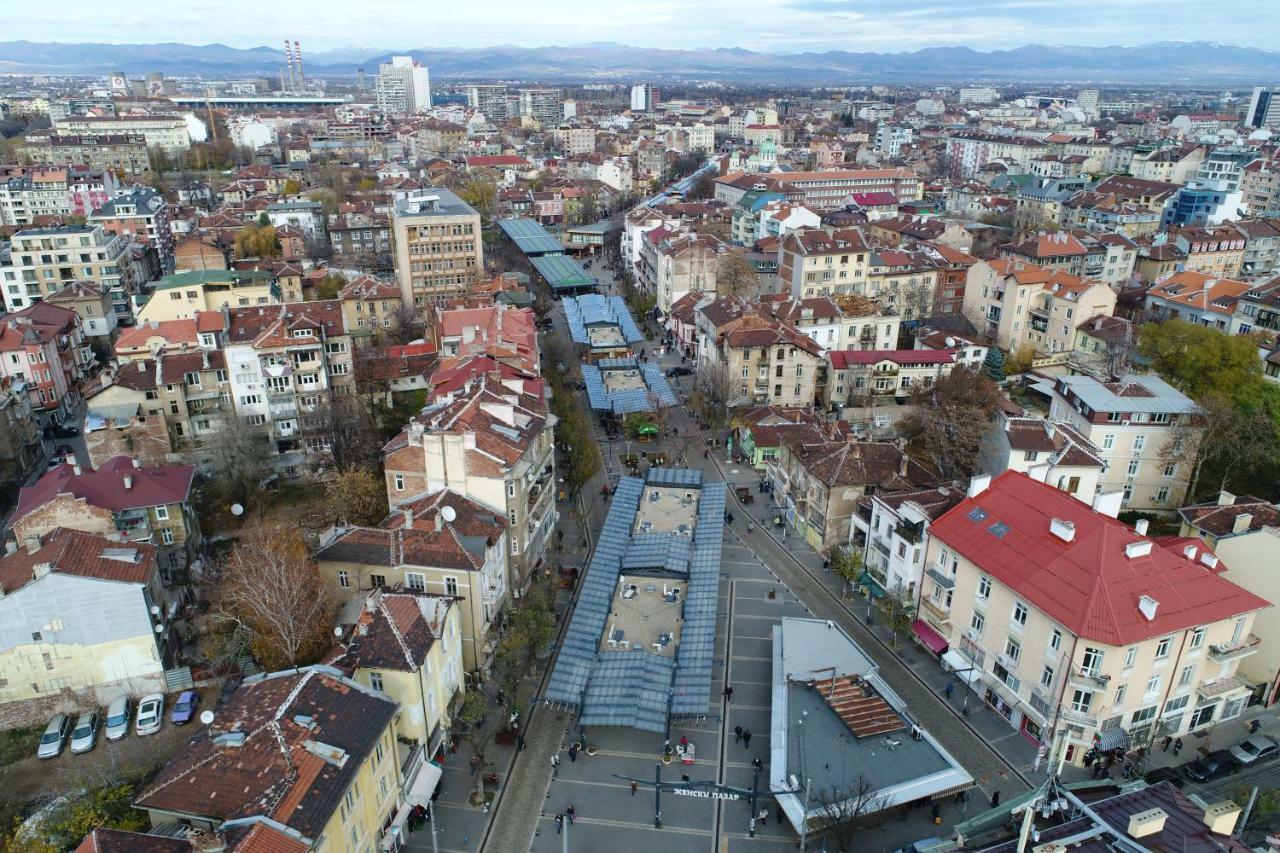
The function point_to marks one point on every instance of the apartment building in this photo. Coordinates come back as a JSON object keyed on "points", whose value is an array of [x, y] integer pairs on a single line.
{"points": [[764, 361], [545, 106], [44, 260], [1060, 251], [438, 251], [107, 152], [1070, 624], [493, 443], [1244, 533], [358, 236], [441, 544], [675, 263], [865, 377], [490, 99], [967, 152], [1132, 420], [60, 192], [409, 646], [21, 447], [358, 778], [818, 262], [77, 619], [1060, 455], [825, 190], [573, 140], [166, 132], [93, 305], [370, 307], [185, 295], [43, 348], [1219, 252], [904, 281], [890, 531], [953, 278], [1021, 306], [1260, 185], [1199, 298], [139, 213]]}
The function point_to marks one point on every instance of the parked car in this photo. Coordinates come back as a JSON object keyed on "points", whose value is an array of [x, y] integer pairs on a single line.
{"points": [[185, 708], [1253, 750], [54, 737], [117, 725], [150, 714], [679, 371], [58, 430], [1211, 766], [1164, 774], [84, 737]]}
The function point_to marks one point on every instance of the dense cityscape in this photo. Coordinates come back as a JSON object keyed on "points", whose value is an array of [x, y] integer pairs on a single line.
{"points": [[608, 448]]}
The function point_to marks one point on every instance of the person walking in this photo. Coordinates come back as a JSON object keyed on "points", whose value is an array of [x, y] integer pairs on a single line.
{"points": [[728, 693], [573, 752], [746, 738], [1167, 741], [737, 734], [559, 823], [995, 798], [950, 688], [555, 766], [757, 763], [571, 812], [1177, 745], [633, 789], [779, 815], [764, 817]]}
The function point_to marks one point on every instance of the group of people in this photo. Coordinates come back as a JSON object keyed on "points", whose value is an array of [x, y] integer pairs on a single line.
{"points": [[569, 813]]}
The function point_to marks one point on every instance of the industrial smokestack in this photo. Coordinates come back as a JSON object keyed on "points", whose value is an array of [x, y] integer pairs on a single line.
{"points": [[288, 58], [297, 57]]}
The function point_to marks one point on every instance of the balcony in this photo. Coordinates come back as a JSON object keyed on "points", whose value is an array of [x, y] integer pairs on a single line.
{"points": [[1222, 652], [1078, 718], [1089, 679], [940, 612], [134, 525], [879, 543], [941, 577]]}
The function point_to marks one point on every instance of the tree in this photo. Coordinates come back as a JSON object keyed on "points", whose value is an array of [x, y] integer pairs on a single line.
{"points": [[1020, 360], [271, 587], [482, 195], [531, 626], [329, 286], [1226, 436], [292, 186], [479, 727], [846, 563], [356, 496], [107, 806], [713, 391], [1198, 360], [257, 241], [843, 814], [704, 187], [898, 610], [349, 428], [949, 420], [242, 460], [735, 276], [328, 199]]}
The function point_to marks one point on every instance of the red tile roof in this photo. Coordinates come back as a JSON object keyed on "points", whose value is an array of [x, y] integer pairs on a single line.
{"points": [[106, 488], [1088, 585], [73, 552], [841, 359]]}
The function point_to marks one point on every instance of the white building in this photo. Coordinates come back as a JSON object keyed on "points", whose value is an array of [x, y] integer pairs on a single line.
{"points": [[641, 97], [403, 86]]}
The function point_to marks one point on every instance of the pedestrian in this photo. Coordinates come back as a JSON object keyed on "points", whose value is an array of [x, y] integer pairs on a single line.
{"points": [[778, 814], [995, 798], [826, 565], [728, 693], [555, 767], [746, 738], [950, 688], [757, 763], [573, 752], [559, 823], [764, 817], [633, 789], [474, 763], [571, 812], [1128, 769], [737, 734], [1177, 745], [1167, 741], [936, 812]]}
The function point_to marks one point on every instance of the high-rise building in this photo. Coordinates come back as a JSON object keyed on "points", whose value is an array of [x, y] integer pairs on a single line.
{"points": [[642, 97], [1264, 108], [490, 100], [439, 254], [403, 86], [542, 105], [1087, 101]]}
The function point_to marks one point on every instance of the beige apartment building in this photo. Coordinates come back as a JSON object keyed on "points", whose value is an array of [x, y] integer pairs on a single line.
{"points": [[1131, 421], [181, 295], [1071, 625], [1018, 305], [438, 251], [817, 262]]}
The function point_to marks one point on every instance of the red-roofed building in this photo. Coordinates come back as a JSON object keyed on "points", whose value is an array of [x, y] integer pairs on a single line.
{"points": [[858, 377], [1070, 620], [43, 347], [1019, 305], [82, 601], [508, 335]]}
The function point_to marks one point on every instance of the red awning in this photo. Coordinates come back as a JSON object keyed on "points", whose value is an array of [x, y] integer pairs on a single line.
{"points": [[929, 637]]}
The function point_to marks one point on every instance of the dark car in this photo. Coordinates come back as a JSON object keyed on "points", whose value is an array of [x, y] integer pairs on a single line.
{"points": [[58, 430], [185, 708], [1211, 766], [679, 371], [1164, 774]]}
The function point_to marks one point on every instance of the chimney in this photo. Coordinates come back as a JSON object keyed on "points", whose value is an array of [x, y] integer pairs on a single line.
{"points": [[1140, 526], [75, 469], [408, 518], [1050, 428], [1241, 522], [142, 365], [1138, 549], [1064, 530], [469, 440], [1221, 817], [206, 841], [1039, 473], [39, 570], [1209, 559], [128, 481], [1147, 606], [1225, 498], [10, 547], [978, 485], [32, 543], [439, 521], [1189, 552], [1147, 823], [137, 463], [1108, 503]]}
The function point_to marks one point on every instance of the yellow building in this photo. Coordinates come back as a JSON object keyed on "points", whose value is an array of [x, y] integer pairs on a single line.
{"points": [[181, 295], [438, 251], [1069, 623], [409, 646], [309, 749]]}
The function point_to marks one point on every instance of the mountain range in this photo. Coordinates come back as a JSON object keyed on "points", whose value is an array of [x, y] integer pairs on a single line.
{"points": [[1171, 63]]}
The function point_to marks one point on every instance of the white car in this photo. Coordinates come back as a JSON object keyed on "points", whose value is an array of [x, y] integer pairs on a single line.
{"points": [[84, 737], [150, 714], [117, 725]]}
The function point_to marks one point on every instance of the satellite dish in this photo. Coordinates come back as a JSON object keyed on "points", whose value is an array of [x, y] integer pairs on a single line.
{"points": [[206, 717], [155, 610], [237, 510], [159, 629], [337, 631], [448, 514]]}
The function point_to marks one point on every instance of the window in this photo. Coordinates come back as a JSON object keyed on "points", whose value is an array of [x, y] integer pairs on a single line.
{"points": [[1130, 655], [1046, 676], [1162, 494], [415, 581], [1153, 685], [375, 681], [1188, 673], [1091, 663], [1175, 704], [344, 579], [451, 586], [1170, 469], [162, 513], [984, 587], [1143, 715], [166, 536], [1139, 443], [1232, 709], [1020, 613], [1012, 649], [1120, 691], [399, 482], [1055, 640], [1162, 647], [977, 621], [1133, 467], [377, 581], [1197, 637], [1081, 700], [1108, 441]]}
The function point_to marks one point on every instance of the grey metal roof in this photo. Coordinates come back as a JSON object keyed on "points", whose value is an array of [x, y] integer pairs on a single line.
{"points": [[635, 687], [592, 309], [562, 272], [1164, 397], [530, 237]]}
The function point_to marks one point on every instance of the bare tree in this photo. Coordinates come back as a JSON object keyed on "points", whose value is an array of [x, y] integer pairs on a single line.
{"points": [[735, 276], [242, 460], [949, 420], [348, 428], [1225, 437], [272, 588], [713, 391], [842, 815], [479, 728]]}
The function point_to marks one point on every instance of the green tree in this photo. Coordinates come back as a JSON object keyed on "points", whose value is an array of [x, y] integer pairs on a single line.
{"points": [[1198, 360], [108, 806], [898, 609], [328, 199], [329, 286], [258, 241], [482, 195], [292, 186], [479, 727], [846, 563]]}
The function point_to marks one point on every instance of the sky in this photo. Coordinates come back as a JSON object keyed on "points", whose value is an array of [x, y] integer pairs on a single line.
{"points": [[776, 26]]}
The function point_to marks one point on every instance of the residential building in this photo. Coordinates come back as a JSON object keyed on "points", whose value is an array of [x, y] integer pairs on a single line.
{"points": [[21, 447], [827, 190], [1260, 186], [508, 335], [93, 305], [43, 348], [162, 131], [1105, 344], [765, 362], [370, 307], [490, 99], [1069, 623], [186, 295], [1060, 455], [441, 544], [1133, 420], [1200, 298], [903, 281], [493, 443], [1059, 251], [305, 751], [1261, 247], [968, 152], [953, 276], [44, 260], [1216, 251], [408, 645], [108, 152], [77, 620], [673, 264], [545, 106], [759, 431], [439, 253], [642, 100], [1018, 305], [1264, 108], [1244, 533], [817, 262], [140, 214], [574, 140], [361, 237], [890, 531], [403, 87], [856, 378], [865, 325], [42, 194]]}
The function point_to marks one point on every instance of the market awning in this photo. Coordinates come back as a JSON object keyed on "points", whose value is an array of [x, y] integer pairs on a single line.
{"points": [[1110, 739], [647, 429], [931, 638], [963, 668], [866, 579], [424, 784]]}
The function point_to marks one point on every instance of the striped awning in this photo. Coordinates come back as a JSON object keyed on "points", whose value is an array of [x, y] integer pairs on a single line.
{"points": [[1110, 739]]}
